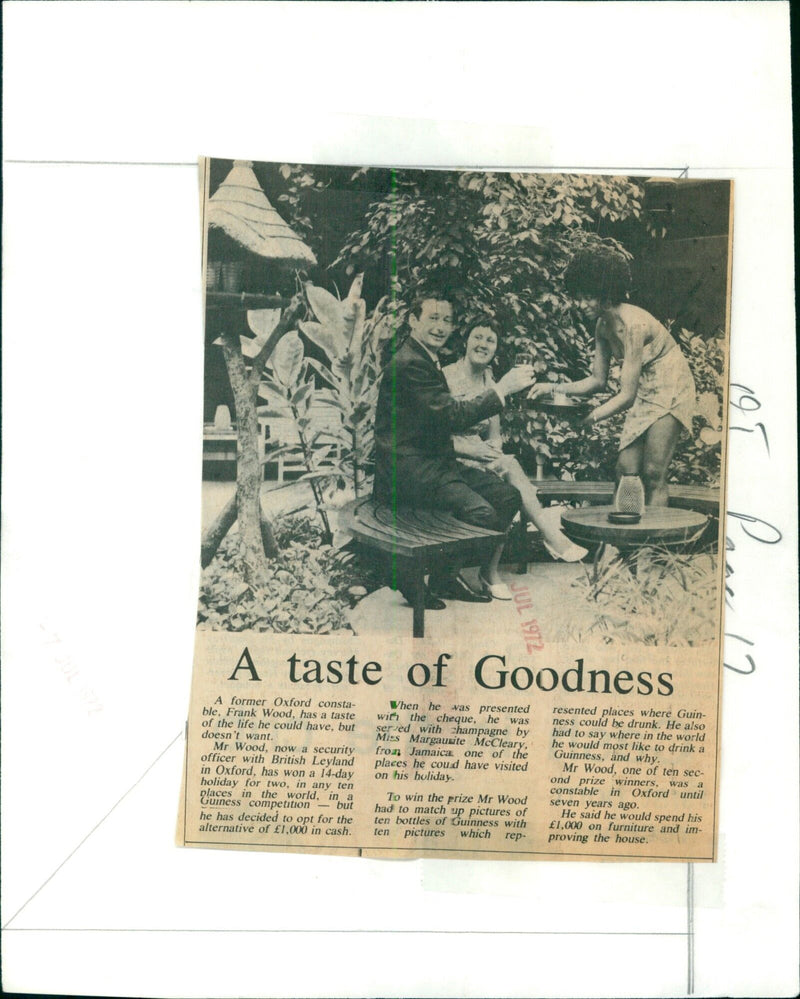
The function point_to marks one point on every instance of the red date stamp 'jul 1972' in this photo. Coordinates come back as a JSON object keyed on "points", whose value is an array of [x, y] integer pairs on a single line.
{"points": [[531, 632]]}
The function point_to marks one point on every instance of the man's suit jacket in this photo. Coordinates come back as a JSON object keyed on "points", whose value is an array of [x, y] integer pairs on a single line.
{"points": [[415, 420]]}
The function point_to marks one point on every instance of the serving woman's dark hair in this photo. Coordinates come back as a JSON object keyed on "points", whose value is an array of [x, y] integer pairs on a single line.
{"points": [[598, 272]]}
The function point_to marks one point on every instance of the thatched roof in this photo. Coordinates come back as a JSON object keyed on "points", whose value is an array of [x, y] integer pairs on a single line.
{"points": [[241, 209]]}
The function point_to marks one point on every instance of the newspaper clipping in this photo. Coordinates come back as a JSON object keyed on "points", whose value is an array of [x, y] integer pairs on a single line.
{"points": [[463, 563]]}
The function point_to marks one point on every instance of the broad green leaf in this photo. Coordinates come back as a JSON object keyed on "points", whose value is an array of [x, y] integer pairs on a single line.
{"points": [[271, 391], [320, 336], [383, 329], [336, 436], [324, 371], [377, 312], [263, 321], [273, 453], [329, 398], [323, 453], [302, 394], [356, 329], [354, 294], [342, 368], [319, 474], [249, 346], [287, 359], [328, 311]]}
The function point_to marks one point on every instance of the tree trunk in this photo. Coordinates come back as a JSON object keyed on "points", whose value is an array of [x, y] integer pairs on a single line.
{"points": [[248, 467], [245, 394], [223, 522], [212, 539], [268, 538]]}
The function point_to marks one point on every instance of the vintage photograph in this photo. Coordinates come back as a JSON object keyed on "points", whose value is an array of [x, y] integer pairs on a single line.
{"points": [[439, 402]]}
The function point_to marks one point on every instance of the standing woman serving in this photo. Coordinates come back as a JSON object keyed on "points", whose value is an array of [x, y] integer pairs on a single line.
{"points": [[656, 386]]}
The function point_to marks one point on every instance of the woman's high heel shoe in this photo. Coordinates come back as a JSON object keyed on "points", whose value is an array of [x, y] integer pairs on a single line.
{"points": [[574, 553], [497, 591]]}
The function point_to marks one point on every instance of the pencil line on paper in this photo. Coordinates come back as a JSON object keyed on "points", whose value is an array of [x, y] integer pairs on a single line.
{"points": [[690, 928], [682, 171], [93, 830], [497, 933]]}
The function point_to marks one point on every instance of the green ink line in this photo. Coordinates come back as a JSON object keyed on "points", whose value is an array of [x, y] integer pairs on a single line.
{"points": [[393, 195]]}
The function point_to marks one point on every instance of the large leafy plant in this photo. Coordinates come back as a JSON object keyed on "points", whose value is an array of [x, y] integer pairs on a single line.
{"points": [[352, 344], [657, 597], [306, 591], [331, 399]]}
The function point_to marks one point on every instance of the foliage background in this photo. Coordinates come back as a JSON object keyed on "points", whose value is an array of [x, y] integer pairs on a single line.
{"points": [[497, 245]]}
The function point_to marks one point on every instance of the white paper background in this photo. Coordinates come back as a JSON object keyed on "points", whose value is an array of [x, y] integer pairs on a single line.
{"points": [[102, 370]]}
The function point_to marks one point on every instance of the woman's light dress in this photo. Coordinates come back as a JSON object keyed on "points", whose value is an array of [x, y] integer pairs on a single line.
{"points": [[462, 388], [666, 387]]}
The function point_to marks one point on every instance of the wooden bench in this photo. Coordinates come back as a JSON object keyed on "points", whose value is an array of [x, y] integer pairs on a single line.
{"points": [[703, 499], [422, 541]]}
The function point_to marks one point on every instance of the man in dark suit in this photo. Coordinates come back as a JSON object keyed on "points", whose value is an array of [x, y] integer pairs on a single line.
{"points": [[415, 462]]}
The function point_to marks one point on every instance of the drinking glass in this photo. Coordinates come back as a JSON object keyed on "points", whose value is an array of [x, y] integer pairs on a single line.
{"points": [[523, 357]]}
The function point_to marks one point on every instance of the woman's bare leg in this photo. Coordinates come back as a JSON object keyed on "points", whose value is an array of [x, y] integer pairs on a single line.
{"points": [[491, 570], [512, 472], [630, 459], [659, 446]]}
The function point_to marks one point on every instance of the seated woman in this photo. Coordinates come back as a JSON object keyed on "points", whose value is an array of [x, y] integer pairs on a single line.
{"points": [[470, 377], [656, 385]]}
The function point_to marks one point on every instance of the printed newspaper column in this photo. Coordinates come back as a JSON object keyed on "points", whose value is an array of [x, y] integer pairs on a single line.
{"points": [[356, 745]]}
